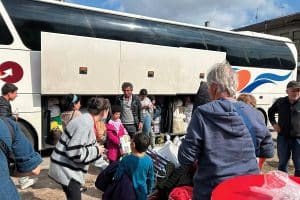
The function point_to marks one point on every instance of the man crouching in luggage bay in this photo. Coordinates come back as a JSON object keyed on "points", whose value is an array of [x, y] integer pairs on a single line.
{"points": [[218, 139]]}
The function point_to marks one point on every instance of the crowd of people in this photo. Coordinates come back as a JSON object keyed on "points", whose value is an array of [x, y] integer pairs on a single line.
{"points": [[226, 137]]}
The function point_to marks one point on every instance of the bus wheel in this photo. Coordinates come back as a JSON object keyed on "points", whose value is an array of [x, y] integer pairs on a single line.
{"points": [[264, 115], [29, 134]]}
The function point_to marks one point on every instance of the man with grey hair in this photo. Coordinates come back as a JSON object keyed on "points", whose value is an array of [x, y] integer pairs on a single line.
{"points": [[218, 138], [287, 126]]}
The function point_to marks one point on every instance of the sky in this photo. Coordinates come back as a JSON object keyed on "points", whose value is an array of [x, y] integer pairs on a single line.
{"points": [[224, 14]]}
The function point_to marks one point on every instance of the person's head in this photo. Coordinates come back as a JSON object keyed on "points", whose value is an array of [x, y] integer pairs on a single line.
{"points": [[143, 93], [140, 142], [9, 91], [116, 112], [71, 102], [127, 89], [222, 81], [247, 98], [98, 107], [293, 91], [152, 98]]}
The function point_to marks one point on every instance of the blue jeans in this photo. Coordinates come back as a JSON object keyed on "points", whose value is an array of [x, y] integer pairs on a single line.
{"points": [[147, 124], [285, 148], [147, 129]]}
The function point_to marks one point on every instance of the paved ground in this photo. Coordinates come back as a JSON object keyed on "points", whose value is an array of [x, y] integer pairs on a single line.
{"points": [[47, 189]]}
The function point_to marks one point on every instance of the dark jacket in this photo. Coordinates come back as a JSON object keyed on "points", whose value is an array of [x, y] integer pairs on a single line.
{"points": [[5, 107], [105, 178], [122, 189], [136, 107], [288, 117], [218, 138], [26, 158], [202, 96], [114, 189]]}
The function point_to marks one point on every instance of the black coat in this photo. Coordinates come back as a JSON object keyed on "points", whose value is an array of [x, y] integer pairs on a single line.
{"points": [[288, 117]]}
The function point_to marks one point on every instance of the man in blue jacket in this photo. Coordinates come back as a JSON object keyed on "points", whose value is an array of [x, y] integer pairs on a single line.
{"points": [[218, 139], [27, 160]]}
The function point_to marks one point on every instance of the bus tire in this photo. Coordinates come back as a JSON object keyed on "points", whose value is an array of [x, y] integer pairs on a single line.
{"points": [[264, 115], [29, 133]]}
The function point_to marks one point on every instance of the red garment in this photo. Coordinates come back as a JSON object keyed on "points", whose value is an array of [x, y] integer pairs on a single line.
{"points": [[239, 188], [113, 141], [181, 193]]}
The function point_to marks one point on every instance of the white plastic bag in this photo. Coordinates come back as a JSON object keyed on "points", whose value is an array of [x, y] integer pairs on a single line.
{"points": [[101, 163], [170, 150], [279, 186], [125, 144]]}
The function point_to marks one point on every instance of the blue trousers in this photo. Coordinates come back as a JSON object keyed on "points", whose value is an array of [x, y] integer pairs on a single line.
{"points": [[147, 129], [287, 147]]}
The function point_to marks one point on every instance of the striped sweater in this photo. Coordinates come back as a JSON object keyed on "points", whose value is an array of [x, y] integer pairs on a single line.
{"points": [[76, 148]]}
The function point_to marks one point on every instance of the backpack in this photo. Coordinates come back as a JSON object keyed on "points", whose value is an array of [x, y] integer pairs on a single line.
{"points": [[11, 160]]}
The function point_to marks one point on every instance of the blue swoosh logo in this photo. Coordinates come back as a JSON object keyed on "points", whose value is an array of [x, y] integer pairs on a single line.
{"points": [[263, 79], [273, 77], [255, 84]]}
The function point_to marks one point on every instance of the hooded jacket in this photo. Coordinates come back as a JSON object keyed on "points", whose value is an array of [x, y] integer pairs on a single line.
{"points": [[219, 140]]}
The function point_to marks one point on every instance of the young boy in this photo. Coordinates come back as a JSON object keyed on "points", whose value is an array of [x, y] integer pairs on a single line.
{"points": [[138, 166]]}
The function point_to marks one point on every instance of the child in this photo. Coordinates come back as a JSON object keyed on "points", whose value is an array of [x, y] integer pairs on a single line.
{"points": [[247, 98], [115, 130], [138, 166], [71, 105]]}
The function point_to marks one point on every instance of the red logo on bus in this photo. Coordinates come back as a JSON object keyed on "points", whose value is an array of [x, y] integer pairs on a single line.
{"points": [[11, 72]]}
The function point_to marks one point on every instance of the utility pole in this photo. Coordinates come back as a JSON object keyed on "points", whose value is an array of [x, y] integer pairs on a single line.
{"points": [[207, 24], [256, 16]]}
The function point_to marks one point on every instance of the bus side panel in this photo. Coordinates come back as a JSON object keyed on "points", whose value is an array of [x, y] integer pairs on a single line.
{"points": [[138, 60], [81, 65], [193, 63], [22, 68]]}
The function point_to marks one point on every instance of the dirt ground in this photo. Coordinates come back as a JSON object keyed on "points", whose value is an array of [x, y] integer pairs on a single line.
{"points": [[47, 189]]}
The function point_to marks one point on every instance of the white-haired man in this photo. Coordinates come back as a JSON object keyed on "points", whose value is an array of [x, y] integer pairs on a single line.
{"points": [[218, 138], [287, 126]]}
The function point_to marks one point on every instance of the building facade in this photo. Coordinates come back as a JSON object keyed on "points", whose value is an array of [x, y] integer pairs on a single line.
{"points": [[286, 26]]}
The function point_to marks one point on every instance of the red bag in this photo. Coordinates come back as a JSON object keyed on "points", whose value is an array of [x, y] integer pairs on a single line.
{"points": [[181, 193]]}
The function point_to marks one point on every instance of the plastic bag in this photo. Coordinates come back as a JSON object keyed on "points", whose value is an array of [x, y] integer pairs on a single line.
{"points": [[101, 163], [170, 151], [125, 144], [279, 186]]}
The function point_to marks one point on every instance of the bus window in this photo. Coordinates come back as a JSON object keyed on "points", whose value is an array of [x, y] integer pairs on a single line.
{"points": [[5, 36]]}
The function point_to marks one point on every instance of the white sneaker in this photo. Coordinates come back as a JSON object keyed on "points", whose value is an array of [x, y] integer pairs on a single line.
{"points": [[26, 182]]}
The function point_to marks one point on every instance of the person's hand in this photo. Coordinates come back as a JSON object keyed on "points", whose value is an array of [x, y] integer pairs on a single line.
{"points": [[140, 125], [101, 149], [276, 128]]}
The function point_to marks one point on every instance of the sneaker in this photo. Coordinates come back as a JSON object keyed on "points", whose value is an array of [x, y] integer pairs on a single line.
{"points": [[27, 182]]}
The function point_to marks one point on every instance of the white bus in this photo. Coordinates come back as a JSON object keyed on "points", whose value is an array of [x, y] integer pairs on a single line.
{"points": [[49, 49]]}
